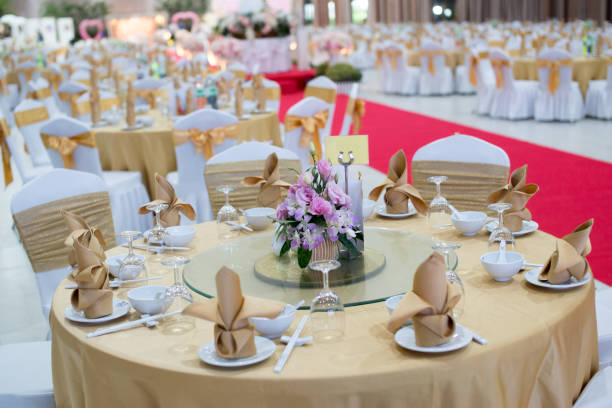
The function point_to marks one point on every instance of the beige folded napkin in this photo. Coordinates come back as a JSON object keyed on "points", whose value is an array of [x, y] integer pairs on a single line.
{"points": [[430, 304], [130, 118], [238, 100], [398, 190], [189, 102], [270, 184], [517, 193], [93, 295], [230, 311], [94, 98], [259, 92], [164, 193], [569, 257], [77, 225]]}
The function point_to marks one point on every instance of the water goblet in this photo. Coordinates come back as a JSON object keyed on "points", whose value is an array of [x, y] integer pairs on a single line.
{"points": [[131, 265], [228, 220], [178, 324], [439, 211], [326, 309], [158, 232], [445, 248], [500, 232]]}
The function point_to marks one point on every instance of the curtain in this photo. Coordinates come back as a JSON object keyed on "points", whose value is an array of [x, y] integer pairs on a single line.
{"points": [[321, 15]]}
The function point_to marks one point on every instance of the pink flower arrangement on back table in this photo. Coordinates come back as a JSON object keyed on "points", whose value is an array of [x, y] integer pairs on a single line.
{"points": [[316, 209]]}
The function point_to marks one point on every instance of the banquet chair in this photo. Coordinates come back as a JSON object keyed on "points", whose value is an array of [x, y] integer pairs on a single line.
{"points": [[108, 100], [246, 159], [603, 310], [189, 181], [557, 100], [238, 69], [127, 193], [511, 99], [5, 96], [26, 71], [40, 89], [307, 107], [599, 96], [81, 76], [149, 89], [30, 115], [67, 95], [396, 76], [325, 89], [485, 81], [598, 392], [474, 168], [272, 91], [348, 117], [462, 76], [435, 77]]}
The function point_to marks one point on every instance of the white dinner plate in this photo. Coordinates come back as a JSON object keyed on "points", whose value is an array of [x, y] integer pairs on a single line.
{"points": [[531, 276], [381, 209], [265, 348], [120, 308], [528, 228], [135, 127], [405, 338]]}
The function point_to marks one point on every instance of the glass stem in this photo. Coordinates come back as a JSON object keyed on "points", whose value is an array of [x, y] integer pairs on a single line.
{"points": [[176, 275], [438, 193], [500, 220], [445, 254], [130, 247], [226, 198], [157, 219], [325, 280]]}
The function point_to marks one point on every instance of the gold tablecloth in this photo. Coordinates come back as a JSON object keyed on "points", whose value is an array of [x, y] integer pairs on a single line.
{"points": [[542, 350], [452, 58], [150, 150], [584, 69]]}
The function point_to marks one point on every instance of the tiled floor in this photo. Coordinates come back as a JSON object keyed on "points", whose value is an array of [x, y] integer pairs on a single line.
{"points": [[21, 318]]}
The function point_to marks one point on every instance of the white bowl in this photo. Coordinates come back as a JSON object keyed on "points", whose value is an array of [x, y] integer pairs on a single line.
{"points": [[142, 108], [502, 272], [146, 120], [273, 328], [249, 106], [180, 235], [470, 223], [149, 299], [368, 208], [392, 303], [130, 272], [258, 217]]}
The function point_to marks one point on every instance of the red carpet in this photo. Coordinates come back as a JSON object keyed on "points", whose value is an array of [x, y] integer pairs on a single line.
{"points": [[292, 81], [572, 188]]}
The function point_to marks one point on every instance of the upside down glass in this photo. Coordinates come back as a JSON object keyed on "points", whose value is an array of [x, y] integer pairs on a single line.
{"points": [[326, 310], [228, 220], [131, 265], [158, 232], [178, 324], [439, 210], [445, 248], [500, 232]]}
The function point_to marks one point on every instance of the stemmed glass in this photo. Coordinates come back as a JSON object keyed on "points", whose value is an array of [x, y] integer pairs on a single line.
{"points": [[228, 220], [178, 324], [439, 210], [445, 248], [158, 232], [131, 262], [500, 232], [326, 310]]}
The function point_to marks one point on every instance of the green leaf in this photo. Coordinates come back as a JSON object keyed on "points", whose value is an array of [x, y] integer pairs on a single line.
{"points": [[359, 235], [348, 244], [285, 248], [304, 256]]}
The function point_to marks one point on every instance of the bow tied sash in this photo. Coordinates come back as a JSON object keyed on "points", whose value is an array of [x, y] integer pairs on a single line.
{"points": [[5, 131], [474, 61], [393, 55], [66, 146], [29, 117], [355, 108], [498, 67], [430, 54], [204, 140], [151, 95], [42, 93], [554, 77], [310, 128]]}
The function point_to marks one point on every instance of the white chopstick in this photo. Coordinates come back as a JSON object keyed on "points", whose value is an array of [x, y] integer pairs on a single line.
{"points": [[285, 356], [131, 324], [117, 283]]}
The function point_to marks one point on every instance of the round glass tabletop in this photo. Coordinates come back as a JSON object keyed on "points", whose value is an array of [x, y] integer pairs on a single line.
{"points": [[386, 269]]}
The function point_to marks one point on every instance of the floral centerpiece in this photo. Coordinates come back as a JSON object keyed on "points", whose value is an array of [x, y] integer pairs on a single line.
{"points": [[263, 24], [315, 212], [226, 48], [331, 46]]}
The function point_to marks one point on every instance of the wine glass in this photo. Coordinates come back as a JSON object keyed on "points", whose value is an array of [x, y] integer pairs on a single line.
{"points": [[131, 265], [326, 310], [439, 210], [445, 248], [500, 232], [228, 220], [158, 232], [178, 324]]}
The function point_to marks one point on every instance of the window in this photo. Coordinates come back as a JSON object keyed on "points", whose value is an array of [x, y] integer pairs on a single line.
{"points": [[331, 12], [359, 11], [309, 12]]}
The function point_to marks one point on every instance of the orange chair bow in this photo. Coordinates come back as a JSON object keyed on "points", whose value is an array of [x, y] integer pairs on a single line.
{"points": [[554, 77], [5, 131], [310, 128], [474, 61], [498, 66], [430, 54], [356, 109], [66, 146], [203, 140]]}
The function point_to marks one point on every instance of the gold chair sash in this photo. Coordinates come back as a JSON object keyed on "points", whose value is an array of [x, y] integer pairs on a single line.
{"points": [[430, 54], [498, 66], [326, 94], [84, 107], [66, 146], [391, 54], [27, 72], [4, 89], [42, 93], [554, 77], [54, 78], [203, 140], [239, 74], [25, 118], [5, 131], [499, 44], [474, 61], [272, 94], [310, 129], [356, 109], [43, 231], [151, 95]]}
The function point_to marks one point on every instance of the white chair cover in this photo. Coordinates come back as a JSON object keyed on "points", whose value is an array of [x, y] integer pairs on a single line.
{"points": [[49, 102], [325, 82], [485, 83], [251, 151], [306, 107], [599, 97], [271, 104], [598, 392], [69, 87], [31, 134], [441, 83], [348, 119], [515, 99], [85, 98], [462, 77], [402, 79], [603, 310], [462, 148]]}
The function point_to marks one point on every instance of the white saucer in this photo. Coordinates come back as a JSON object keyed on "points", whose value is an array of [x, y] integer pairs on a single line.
{"points": [[265, 348], [120, 308], [405, 338], [528, 228], [135, 127], [381, 209], [531, 276]]}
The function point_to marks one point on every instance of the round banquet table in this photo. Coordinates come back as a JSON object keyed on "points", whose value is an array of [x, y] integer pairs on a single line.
{"points": [[150, 150], [542, 348], [584, 69]]}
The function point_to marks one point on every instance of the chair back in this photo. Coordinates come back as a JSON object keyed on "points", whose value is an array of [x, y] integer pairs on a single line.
{"points": [[502, 66], [348, 117], [30, 115], [438, 57], [272, 90], [40, 89], [474, 169], [81, 76], [231, 166], [83, 105], [565, 70], [238, 69], [67, 94], [159, 88], [307, 107], [325, 89]]}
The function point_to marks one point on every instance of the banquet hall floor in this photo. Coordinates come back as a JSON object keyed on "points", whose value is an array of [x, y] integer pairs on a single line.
{"points": [[21, 319]]}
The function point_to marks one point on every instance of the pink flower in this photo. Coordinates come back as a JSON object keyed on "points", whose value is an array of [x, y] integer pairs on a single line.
{"points": [[325, 168], [281, 211], [320, 206], [304, 195], [337, 196]]}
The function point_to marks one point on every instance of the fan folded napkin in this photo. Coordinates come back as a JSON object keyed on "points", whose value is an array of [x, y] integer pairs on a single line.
{"points": [[270, 184], [130, 118], [164, 193], [259, 92], [238, 100], [517, 193], [430, 304], [569, 257], [398, 190], [93, 295], [230, 311], [77, 226]]}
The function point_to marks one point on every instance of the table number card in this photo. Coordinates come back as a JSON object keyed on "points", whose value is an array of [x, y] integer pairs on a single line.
{"points": [[358, 144]]}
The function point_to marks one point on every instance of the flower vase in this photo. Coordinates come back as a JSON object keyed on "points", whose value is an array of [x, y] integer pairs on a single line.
{"points": [[325, 250]]}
